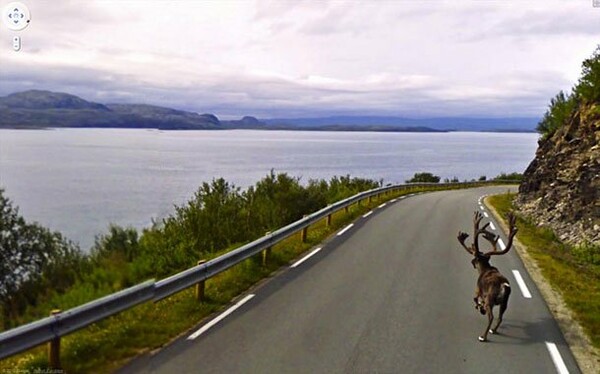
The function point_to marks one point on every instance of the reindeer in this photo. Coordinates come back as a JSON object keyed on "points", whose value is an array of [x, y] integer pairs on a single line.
{"points": [[492, 287]]}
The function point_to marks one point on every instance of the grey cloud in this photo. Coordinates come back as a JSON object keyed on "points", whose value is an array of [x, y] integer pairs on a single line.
{"points": [[265, 97], [572, 22]]}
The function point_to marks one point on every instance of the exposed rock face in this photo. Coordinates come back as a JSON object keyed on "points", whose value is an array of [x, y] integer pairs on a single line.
{"points": [[561, 186]]}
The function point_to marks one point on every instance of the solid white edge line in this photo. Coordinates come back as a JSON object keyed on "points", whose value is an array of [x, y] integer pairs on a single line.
{"points": [[561, 368], [367, 214], [306, 257], [492, 226], [382, 205], [522, 285], [486, 215], [502, 245], [345, 229], [206, 327]]}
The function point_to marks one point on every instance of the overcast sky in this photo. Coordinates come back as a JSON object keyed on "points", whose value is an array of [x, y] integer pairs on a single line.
{"points": [[306, 58]]}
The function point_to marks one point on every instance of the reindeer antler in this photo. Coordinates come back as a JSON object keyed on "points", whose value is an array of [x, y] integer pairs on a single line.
{"points": [[462, 236], [477, 217], [512, 224]]}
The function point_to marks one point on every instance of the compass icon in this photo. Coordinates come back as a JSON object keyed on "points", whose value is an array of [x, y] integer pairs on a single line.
{"points": [[16, 16]]}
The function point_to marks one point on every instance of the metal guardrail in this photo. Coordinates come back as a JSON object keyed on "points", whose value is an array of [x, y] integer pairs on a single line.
{"points": [[50, 328]]}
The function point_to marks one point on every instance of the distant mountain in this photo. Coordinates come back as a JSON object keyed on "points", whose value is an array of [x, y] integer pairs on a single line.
{"points": [[43, 109], [517, 124], [39, 109], [37, 99]]}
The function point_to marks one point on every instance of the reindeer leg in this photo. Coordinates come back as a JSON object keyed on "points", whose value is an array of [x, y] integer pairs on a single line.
{"points": [[503, 307], [490, 314], [479, 304], [502, 310], [478, 301]]}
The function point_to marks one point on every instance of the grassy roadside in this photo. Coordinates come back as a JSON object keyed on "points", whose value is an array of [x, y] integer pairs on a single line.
{"points": [[107, 345], [572, 271]]}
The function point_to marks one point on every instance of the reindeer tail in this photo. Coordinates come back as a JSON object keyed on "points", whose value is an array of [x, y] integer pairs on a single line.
{"points": [[504, 291]]}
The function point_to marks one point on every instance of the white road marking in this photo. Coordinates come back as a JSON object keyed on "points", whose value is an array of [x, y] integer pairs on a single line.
{"points": [[486, 215], [345, 229], [481, 207], [306, 257], [502, 245], [382, 205], [206, 327], [393, 200], [367, 214], [492, 226], [561, 368], [522, 285]]}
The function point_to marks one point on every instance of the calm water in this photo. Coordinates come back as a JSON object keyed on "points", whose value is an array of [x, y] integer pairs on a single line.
{"points": [[77, 181]]}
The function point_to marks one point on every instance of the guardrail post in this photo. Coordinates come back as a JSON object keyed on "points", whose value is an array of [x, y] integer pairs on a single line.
{"points": [[328, 220], [200, 286], [346, 209], [266, 253], [54, 348], [370, 199], [304, 233]]}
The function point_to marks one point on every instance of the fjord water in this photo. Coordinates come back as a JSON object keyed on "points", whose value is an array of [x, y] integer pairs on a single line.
{"points": [[78, 181]]}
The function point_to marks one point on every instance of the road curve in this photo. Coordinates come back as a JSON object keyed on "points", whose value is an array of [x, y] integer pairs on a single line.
{"points": [[392, 294]]}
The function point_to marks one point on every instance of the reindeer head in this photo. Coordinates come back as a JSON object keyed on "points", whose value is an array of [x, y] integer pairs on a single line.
{"points": [[482, 260]]}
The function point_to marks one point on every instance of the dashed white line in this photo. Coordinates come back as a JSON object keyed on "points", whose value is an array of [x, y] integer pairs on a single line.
{"points": [[306, 257], [502, 245], [345, 229], [367, 214], [393, 200], [522, 285], [382, 205], [206, 327], [481, 207], [486, 215], [561, 368], [492, 226]]}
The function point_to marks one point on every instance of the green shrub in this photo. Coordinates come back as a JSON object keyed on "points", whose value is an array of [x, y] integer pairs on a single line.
{"points": [[588, 87], [424, 178], [561, 108], [514, 176]]}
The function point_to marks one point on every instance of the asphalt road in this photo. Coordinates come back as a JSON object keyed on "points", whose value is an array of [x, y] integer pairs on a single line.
{"points": [[392, 294]]}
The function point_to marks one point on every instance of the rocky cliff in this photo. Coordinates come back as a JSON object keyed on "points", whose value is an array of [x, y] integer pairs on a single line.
{"points": [[561, 186]]}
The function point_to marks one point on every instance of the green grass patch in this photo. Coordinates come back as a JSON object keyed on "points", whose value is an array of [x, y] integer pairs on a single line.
{"points": [[107, 345], [572, 270]]}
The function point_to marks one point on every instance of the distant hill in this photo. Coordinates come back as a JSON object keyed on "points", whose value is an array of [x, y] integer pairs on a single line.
{"points": [[40, 109], [44, 109], [37, 99], [516, 124]]}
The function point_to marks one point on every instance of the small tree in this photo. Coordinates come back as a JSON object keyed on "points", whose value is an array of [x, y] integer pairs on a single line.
{"points": [[588, 87], [560, 109], [424, 178], [29, 255]]}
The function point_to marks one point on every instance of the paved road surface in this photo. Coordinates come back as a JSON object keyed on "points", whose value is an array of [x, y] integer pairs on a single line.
{"points": [[392, 294]]}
